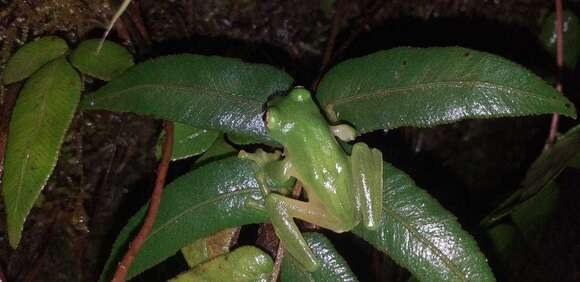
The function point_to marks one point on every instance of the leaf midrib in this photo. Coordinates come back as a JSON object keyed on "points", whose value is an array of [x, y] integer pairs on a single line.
{"points": [[404, 89], [140, 87], [194, 207], [36, 130], [428, 243]]}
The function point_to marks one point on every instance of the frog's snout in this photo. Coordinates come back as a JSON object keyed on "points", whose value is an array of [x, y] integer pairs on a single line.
{"points": [[300, 94]]}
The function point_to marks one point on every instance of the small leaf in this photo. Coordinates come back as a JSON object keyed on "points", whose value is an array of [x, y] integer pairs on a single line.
{"points": [[246, 263], [504, 240], [571, 36], [332, 266], [426, 87], [541, 173], [220, 149], [420, 235], [209, 247], [112, 61], [40, 119], [188, 141], [206, 92], [32, 57], [531, 216], [219, 195]]}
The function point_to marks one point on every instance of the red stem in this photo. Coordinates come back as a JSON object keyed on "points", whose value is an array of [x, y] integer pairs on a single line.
{"points": [[138, 241], [560, 63]]}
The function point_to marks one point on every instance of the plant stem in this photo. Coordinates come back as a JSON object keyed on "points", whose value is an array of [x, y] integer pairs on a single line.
{"points": [[560, 63], [138, 241]]}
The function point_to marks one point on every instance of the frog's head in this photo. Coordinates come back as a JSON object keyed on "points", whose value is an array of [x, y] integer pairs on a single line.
{"points": [[285, 112]]}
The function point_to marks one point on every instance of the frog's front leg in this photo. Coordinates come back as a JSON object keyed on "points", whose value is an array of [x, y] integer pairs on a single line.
{"points": [[367, 170], [282, 212]]}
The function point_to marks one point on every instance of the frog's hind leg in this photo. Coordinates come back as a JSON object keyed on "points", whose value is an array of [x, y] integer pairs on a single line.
{"points": [[282, 212], [367, 167]]}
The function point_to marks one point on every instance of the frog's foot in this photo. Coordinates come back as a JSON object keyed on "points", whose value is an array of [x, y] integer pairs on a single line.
{"points": [[282, 212], [272, 173], [344, 132]]}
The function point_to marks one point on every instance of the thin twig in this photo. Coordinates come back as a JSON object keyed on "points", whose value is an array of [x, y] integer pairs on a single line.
{"points": [[560, 62], [280, 252], [138, 241]]}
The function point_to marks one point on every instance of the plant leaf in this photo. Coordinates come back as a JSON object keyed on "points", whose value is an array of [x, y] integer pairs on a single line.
{"points": [[219, 195], [571, 36], [424, 87], [541, 173], [420, 235], [246, 263], [332, 266], [188, 141], [209, 247], [531, 216], [216, 93], [32, 57], [220, 149], [110, 62], [40, 119]]}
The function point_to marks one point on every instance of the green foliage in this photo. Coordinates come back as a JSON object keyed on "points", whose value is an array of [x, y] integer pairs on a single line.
{"points": [[32, 57], [332, 266], [542, 172], [189, 141], [571, 36], [40, 119], [531, 216], [206, 92], [216, 196], [424, 87], [243, 264], [388, 89], [420, 235], [112, 60]]}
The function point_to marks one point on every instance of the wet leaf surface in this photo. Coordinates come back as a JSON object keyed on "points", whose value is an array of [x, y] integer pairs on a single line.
{"points": [[422, 236], [424, 87], [216, 196], [207, 92]]}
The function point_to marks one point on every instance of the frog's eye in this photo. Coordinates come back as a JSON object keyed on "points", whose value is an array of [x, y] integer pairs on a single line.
{"points": [[271, 118]]}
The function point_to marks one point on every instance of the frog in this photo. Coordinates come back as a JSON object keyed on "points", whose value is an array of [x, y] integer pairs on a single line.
{"points": [[342, 191]]}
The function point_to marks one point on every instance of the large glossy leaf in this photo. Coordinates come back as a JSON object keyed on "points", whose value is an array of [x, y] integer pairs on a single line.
{"points": [[206, 92], [216, 196], [542, 172], [32, 57], [424, 87], [571, 36], [112, 60], [40, 119], [333, 268], [245, 264], [420, 235]]}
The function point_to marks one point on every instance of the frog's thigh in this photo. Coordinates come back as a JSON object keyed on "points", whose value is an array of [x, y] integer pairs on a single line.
{"points": [[367, 168]]}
